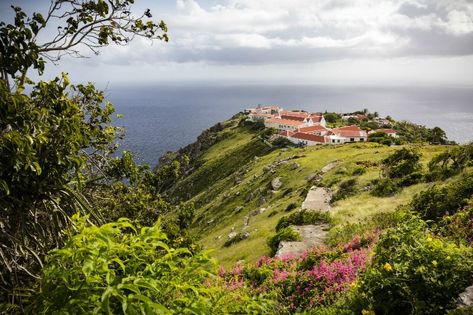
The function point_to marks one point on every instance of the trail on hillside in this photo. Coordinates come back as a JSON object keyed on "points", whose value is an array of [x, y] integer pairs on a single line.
{"points": [[317, 199]]}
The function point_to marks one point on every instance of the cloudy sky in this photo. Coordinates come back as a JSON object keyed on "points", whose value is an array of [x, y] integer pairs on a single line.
{"points": [[387, 42]]}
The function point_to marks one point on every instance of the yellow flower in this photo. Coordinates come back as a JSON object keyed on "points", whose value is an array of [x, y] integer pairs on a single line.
{"points": [[388, 267], [434, 262], [429, 239], [448, 257], [367, 312]]}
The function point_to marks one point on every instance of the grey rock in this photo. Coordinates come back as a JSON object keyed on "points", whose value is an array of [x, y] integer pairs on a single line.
{"points": [[237, 209], [246, 221], [276, 183], [466, 297], [257, 211], [232, 235], [295, 166]]}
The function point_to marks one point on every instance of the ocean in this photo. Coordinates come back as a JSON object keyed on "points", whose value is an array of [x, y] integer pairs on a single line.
{"points": [[164, 118]]}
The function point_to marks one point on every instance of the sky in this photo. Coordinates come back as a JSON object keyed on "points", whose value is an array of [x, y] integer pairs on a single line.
{"points": [[333, 42]]}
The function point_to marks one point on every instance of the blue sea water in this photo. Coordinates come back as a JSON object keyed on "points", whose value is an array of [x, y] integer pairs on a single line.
{"points": [[165, 117]]}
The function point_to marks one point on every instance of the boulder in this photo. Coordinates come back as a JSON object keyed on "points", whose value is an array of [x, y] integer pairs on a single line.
{"points": [[232, 235], [237, 209], [257, 211], [466, 297], [276, 183]]}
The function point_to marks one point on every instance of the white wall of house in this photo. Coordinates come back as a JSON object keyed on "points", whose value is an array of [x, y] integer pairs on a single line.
{"points": [[303, 141]]}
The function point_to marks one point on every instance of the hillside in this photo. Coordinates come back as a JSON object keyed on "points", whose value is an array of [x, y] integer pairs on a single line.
{"points": [[231, 187]]}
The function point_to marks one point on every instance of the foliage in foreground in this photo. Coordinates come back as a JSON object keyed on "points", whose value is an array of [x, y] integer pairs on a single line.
{"points": [[117, 268], [315, 279], [413, 272]]}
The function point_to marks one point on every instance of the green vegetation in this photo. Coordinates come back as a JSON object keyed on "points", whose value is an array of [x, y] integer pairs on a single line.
{"points": [[283, 234], [86, 230]]}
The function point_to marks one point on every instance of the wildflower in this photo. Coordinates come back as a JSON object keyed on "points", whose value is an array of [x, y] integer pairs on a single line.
{"points": [[448, 257], [388, 267], [434, 262], [429, 239], [367, 312]]}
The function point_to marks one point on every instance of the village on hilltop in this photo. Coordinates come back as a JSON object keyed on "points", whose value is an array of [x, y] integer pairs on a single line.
{"points": [[303, 128]]}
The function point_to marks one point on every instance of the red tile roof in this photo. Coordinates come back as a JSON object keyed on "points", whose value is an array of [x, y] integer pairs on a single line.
{"points": [[309, 137], [289, 122], [286, 133], [312, 129], [349, 132]]}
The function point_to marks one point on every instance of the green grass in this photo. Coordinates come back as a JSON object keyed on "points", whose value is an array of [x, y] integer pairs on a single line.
{"points": [[236, 167]]}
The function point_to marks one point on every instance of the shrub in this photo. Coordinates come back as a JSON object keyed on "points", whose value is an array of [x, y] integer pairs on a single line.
{"points": [[415, 273], [411, 179], [281, 142], [284, 234], [303, 217], [291, 206], [401, 163], [436, 201], [346, 189], [116, 268], [236, 239], [384, 187]]}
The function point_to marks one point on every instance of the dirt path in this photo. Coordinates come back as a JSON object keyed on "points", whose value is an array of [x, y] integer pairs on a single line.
{"points": [[317, 199]]}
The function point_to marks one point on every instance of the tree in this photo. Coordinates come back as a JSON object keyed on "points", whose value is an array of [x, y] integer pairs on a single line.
{"points": [[437, 136], [56, 141], [401, 163], [91, 24]]}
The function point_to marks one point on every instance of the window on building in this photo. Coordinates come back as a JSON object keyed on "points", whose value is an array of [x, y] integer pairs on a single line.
{"points": [[352, 139]]}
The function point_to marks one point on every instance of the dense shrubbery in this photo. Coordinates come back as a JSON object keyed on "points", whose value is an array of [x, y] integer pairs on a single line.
{"points": [[437, 201], [381, 137], [346, 189], [400, 169], [451, 162], [316, 279], [283, 234], [303, 217], [415, 273], [118, 268]]}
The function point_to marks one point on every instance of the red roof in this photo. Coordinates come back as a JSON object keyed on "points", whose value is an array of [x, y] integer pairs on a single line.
{"points": [[349, 131], [312, 129], [289, 122], [286, 133], [316, 117], [388, 131], [295, 114], [309, 137]]}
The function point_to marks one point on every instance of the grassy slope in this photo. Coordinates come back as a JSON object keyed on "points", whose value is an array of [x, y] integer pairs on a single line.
{"points": [[230, 175]]}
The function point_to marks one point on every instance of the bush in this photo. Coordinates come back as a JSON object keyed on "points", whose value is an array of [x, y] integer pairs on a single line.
{"points": [[437, 201], [236, 239], [346, 189], [281, 142], [401, 163], [291, 206], [384, 187], [415, 273], [411, 179], [284, 234], [303, 217], [116, 268]]}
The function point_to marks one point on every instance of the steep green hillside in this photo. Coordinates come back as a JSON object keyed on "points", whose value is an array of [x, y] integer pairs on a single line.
{"points": [[231, 187]]}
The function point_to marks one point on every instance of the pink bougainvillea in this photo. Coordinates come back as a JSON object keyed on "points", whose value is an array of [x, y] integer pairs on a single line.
{"points": [[314, 278]]}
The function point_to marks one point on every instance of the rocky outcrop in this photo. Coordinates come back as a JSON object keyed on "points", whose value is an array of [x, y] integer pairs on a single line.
{"points": [[318, 199], [276, 183], [312, 235], [466, 298]]}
